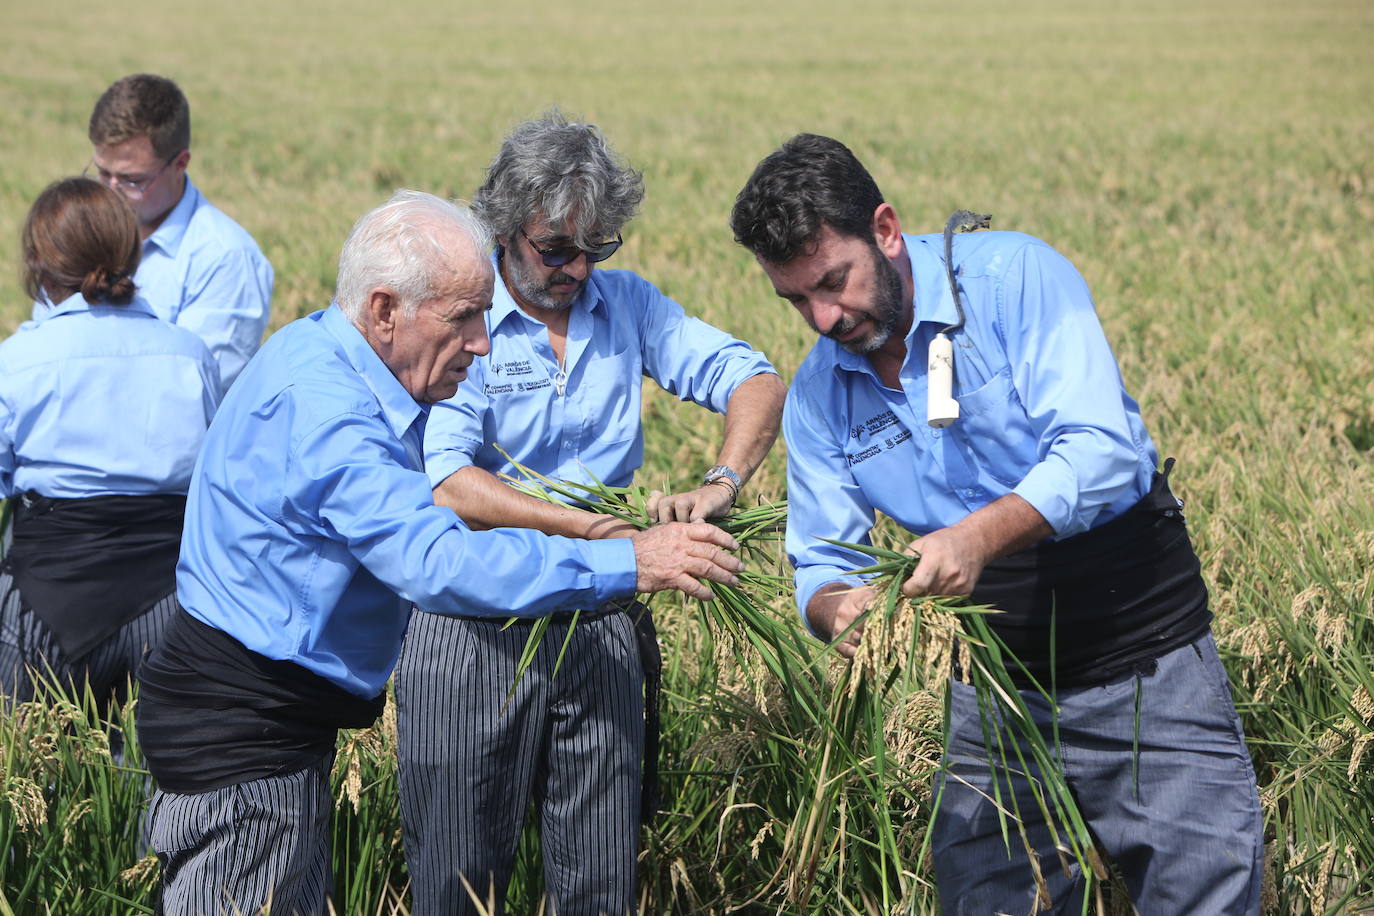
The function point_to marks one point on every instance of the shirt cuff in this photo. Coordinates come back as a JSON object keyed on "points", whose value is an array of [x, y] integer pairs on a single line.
{"points": [[810, 581], [1052, 490], [441, 466], [614, 572]]}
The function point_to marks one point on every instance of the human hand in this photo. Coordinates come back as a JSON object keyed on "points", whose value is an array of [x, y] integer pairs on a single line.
{"points": [[952, 559], [710, 501], [677, 555], [834, 609]]}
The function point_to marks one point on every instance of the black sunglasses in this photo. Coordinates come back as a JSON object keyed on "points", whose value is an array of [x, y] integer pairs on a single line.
{"points": [[558, 255]]}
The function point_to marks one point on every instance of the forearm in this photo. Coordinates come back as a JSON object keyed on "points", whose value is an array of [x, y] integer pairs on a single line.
{"points": [[952, 559], [483, 501], [1003, 526], [752, 417]]}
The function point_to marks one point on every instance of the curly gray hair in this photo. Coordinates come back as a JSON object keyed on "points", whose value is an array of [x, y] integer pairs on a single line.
{"points": [[565, 171]]}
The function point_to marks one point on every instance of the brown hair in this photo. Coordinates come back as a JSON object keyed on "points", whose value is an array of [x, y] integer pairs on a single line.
{"points": [[143, 105], [81, 236]]}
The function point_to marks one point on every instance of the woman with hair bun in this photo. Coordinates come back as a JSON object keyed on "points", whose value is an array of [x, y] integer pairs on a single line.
{"points": [[103, 407]]}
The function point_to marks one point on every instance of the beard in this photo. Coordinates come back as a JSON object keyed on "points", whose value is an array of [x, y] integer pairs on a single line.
{"points": [[529, 287], [885, 312]]}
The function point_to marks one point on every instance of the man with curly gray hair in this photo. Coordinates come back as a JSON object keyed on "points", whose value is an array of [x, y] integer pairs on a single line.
{"points": [[559, 394]]}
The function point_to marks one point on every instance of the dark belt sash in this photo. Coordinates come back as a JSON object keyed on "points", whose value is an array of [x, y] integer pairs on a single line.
{"points": [[213, 713], [87, 566], [1120, 595], [651, 660]]}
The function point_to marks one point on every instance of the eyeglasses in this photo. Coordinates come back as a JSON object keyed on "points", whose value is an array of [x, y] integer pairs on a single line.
{"points": [[558, 255], [133, 188]]}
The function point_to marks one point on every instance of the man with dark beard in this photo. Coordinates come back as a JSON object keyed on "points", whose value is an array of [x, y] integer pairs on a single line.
{"points": [[1041, 500], [558, 394]]}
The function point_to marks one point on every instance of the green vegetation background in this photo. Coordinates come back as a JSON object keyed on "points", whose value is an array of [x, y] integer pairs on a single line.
{"points": [[1207, 165]]}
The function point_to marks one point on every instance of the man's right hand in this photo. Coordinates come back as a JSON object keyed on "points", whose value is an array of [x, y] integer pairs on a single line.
{"points": [[834, 608], [678, 554]]}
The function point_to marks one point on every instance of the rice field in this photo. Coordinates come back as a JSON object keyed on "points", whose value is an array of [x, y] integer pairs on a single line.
{"points": [[1208, 166]]}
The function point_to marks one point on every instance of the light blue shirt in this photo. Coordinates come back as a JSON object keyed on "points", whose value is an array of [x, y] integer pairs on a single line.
{"points": [[311, 526], [1042, 412], [202, 271], [102, 400], [588, 427]]}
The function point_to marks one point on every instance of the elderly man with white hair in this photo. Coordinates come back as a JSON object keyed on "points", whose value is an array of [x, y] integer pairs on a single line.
{"points": [[310, 530]]}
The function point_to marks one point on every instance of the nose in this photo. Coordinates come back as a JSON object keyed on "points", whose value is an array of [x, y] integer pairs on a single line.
{"points": [[579, 267], [479, 344], [105, 178], [825, 314]]}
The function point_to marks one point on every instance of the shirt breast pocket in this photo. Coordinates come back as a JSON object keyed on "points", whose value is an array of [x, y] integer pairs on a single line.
{"points": [[607, 390], [996, 429]]}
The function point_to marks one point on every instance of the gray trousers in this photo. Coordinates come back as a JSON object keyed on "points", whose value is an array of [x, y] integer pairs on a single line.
{"points": [[25, 642], [1181, 819], [239, 849], [468, 770]]}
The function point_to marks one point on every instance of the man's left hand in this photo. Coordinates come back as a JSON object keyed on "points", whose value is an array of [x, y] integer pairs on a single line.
{"points": [[709, 501]]}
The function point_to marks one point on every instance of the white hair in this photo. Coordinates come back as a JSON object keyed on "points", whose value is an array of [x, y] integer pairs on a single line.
{"points": [[401, 245]]}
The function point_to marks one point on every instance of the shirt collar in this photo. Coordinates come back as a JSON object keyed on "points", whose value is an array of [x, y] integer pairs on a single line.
{"points": [[169, 234], [400, 409], [77, 303], [932, 301], [503, 304]]}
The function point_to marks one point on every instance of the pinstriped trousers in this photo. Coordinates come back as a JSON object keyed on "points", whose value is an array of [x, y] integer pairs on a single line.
{"points": [[574, 743], [240, 849], [26, 641]]}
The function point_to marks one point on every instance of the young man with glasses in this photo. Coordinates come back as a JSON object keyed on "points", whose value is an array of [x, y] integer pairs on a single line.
{"points": [[558, 394], [200, 269]]}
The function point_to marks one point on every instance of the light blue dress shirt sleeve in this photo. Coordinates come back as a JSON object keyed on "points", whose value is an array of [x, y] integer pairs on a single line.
{"points": [[823, 501], [688, 357], [226, 304], [1088, 450], [344, 477], [454, 433]]}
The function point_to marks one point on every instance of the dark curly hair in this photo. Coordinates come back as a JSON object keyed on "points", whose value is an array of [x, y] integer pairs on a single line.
{"points": [[808, 181]]}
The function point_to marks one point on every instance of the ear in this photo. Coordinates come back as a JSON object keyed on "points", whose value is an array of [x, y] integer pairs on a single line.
{"points": [[182, 161], [887, 230], [383, 310]]}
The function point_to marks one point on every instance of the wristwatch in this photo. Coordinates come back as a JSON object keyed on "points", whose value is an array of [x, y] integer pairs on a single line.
{"points": [[727, 474]]}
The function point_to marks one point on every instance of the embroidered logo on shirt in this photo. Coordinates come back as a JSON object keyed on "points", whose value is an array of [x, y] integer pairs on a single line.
{"points": [[512, 367], [870, 428], [873, 425], [516, 387]]}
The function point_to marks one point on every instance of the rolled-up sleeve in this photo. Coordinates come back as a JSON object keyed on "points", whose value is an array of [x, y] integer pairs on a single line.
{"points": [[227, 303], [1068, 381], [688, 357], [455, 431], [823, 501]]}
